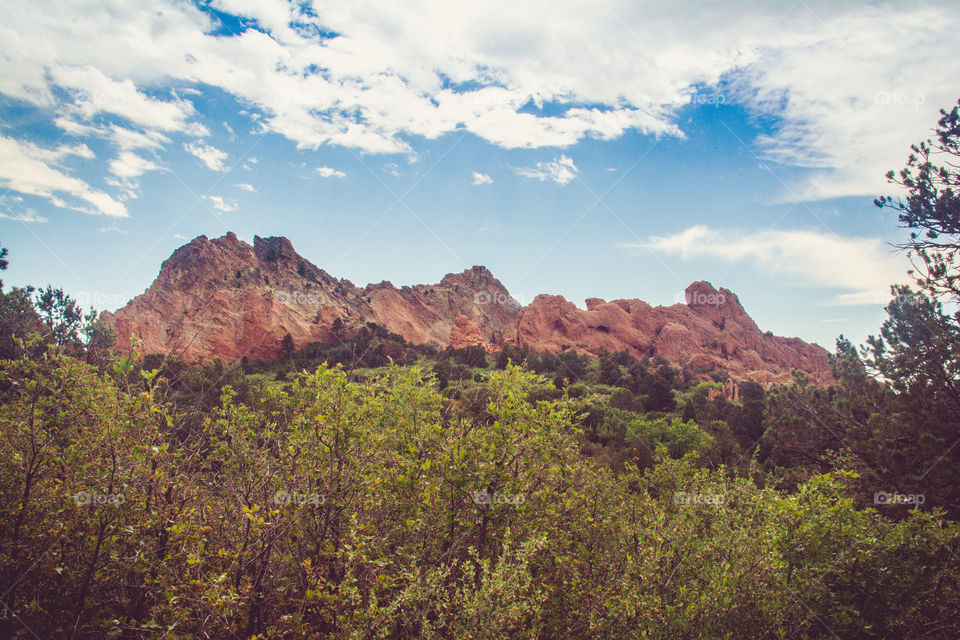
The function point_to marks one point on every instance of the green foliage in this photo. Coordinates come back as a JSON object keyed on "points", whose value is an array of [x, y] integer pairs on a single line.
{"points": [[472, 356], [918, 349], [30, 320], [61, 314], [897, 435], [19, 322], [671, 437], [932, 208], [4, 263], [567, 365], [367, 346], [331, 507]]}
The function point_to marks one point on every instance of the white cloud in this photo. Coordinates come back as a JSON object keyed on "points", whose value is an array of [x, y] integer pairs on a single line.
{"points": [[26, 216], [560, 170], [180, 236], [844, 102], [481, 178], [24, 169], [224, 206], [850, 104], [130, 165], [274, 17], [123, 138], [246, 187], [94, 92], [61, 152], [329, 172], [864, 268], [207, 154], [392, 168], [79, 150], [491, 227], [113, 228]]}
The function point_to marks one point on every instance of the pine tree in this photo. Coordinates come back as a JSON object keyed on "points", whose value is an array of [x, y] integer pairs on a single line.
{"points": [[286, 347]]}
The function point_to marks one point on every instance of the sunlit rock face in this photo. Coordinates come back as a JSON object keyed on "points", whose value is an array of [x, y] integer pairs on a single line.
{"points": [[224, 298]]}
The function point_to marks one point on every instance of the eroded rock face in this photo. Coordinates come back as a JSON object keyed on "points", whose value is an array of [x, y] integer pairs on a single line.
{"points": [[712, 332], [465, 333], [224, 298]]}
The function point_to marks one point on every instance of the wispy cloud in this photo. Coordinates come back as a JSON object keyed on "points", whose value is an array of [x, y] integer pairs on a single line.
{"points": [[207, 154], [27, 168], [329, 172], [246, 187], [29, 216], [113, 228], [218, 203], [864, 268], [491, 226], [481, 178], [560, 170], [392, 168], [129, 165]]}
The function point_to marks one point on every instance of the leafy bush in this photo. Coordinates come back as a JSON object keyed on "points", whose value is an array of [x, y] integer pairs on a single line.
{"points": [[329, 507]]}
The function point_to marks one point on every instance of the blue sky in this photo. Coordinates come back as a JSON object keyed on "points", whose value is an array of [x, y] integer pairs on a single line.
{"points": [[621, 151]]}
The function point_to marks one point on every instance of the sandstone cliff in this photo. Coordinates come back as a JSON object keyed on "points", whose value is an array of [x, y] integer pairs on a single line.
{"points": [[224, 298]]}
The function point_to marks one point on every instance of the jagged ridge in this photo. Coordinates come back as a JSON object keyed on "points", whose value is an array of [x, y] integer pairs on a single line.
{"points": [[224, 298]]}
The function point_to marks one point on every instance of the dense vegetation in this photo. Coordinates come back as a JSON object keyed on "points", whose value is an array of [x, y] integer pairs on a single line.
{"points": [[369, 488]]}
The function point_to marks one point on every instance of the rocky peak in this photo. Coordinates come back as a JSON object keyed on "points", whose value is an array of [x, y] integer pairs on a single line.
{"points": [[477, 277], [719, 306], [274, 249], [702, 296], [594, 303], [187, 252]]}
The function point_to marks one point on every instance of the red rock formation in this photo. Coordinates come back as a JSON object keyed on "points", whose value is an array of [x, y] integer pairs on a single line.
{"points": [[712, 332], [731, 391], [223, 298], [465, 333]]}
